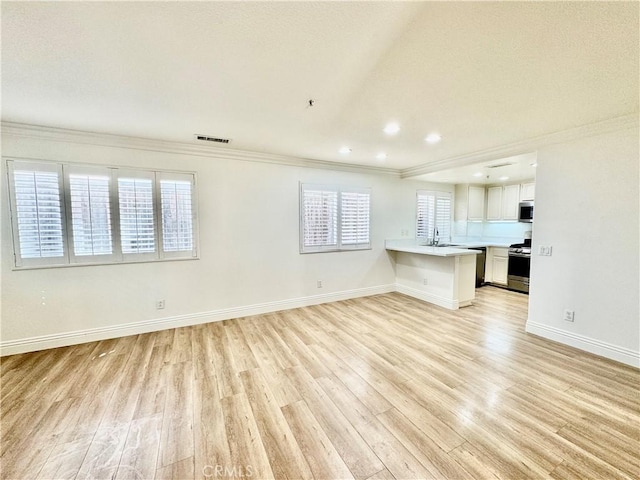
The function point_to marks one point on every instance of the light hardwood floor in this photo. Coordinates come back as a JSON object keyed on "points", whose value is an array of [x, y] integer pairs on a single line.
{"points": [[373, 388]]}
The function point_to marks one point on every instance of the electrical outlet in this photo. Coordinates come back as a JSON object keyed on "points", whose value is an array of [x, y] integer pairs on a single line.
{"points": [[159, 304], [424, 281], [569, 315], [319, 284]]}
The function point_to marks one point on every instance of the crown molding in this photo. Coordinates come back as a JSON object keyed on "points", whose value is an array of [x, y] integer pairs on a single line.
{"points": [[525, 146], [137, 143]]}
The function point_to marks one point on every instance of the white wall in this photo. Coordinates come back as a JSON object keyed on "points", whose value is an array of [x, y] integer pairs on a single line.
{"points": [[249, 260], [587, 209]]}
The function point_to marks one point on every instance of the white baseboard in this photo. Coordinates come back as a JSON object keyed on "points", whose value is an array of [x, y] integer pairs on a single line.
{"points": [[428, 297], [597, 347], [65, 339], [32, 344]]}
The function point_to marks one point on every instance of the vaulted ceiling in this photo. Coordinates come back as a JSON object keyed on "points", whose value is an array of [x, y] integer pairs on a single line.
{"points": [[480, 74]]}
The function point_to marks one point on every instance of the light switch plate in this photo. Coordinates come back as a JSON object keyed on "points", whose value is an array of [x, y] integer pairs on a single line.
{"points": [[545, 250]]}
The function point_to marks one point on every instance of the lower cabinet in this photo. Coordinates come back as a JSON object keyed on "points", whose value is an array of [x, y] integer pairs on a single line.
{"points": [[500, 265], [497, 265]]}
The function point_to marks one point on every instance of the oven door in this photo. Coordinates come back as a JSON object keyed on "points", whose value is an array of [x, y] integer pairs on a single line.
{"points": [[518, 272], [519, 265]]}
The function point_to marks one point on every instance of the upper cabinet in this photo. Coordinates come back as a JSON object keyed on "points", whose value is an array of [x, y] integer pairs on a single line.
{"points": [[494, 203], [469, 203], [475, 211], [502, 202], [527, 191], [476, 203], [510, 201]]}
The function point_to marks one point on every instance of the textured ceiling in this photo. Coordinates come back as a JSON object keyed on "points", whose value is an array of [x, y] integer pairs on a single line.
{"points": [[481, 74]]}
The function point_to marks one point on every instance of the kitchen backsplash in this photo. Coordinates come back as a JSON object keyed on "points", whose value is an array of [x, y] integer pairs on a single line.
{"points": [[515, 230]]}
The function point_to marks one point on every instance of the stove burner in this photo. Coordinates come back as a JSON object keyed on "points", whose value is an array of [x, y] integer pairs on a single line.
{"points": [[521, 248]]}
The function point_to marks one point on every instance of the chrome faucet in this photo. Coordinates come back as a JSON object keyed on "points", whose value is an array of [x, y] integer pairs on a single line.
{"points": [[434, 240]]}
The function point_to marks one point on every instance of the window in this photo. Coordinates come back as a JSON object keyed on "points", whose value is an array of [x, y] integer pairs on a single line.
{"points": [[66, 214], [355, 219], [38, 213], [137, 220], [334, 218], [177, 219], [88, 198], [433, 215], [319, 219]]}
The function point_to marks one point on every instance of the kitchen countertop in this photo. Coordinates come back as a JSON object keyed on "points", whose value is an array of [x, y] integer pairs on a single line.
{"points": [[411, 246]]}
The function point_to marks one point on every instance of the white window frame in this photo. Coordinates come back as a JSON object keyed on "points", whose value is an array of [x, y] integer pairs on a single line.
{"points": [[338, 246], [439, 198], [69, 259]]}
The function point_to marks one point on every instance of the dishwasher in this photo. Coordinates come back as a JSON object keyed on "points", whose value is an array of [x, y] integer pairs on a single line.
{"points": [[481, 259]]}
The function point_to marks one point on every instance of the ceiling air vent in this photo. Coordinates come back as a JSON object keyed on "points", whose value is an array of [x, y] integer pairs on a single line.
{"points": [[206, 138], [500, 165]]}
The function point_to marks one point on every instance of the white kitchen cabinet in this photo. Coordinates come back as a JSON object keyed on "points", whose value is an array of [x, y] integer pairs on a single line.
{"points": [[500, 266], [475, 210], [527, 192], [494, 203], [497, 265], [502, 202], [469, 203], [510, 202]]}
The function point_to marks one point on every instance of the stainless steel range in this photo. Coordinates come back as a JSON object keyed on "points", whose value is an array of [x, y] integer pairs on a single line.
{"points": [[519, 266]]}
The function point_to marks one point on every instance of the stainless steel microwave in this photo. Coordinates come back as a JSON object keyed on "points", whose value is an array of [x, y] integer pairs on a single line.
{"points": [[525, 212]]}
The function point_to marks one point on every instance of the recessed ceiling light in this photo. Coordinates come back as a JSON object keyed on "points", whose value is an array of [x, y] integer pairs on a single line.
{"points": [[433, 138], [345, 150], [381, 156], [504, 178], [534, 165], [391, 128], [477, 174]]}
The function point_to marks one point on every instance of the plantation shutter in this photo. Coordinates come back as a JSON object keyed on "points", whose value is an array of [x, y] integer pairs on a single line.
{"points": [[426, 225], [433, 218], [68, 214], [319, 212], [355, 221], [37, 212], [443, 216], [178, 215], [136, 206], [89, 200], [334, 218]]}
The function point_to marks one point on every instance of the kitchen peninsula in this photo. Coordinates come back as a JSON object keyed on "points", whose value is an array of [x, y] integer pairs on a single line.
{"points": [[444, 275]]}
